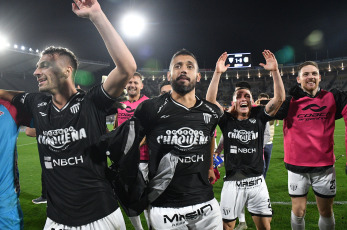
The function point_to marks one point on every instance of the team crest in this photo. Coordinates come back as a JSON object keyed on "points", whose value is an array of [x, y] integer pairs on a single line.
{"points": [[207, 118], [293, 187], [253, 121], [75, 108], [1, 113]]}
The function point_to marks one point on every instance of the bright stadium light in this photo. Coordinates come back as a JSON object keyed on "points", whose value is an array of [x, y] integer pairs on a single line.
{"points": [[3, 43], [133, 25]]}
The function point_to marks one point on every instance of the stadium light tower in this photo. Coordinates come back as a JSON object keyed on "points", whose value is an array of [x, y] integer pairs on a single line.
{"points": [[133, 25]]}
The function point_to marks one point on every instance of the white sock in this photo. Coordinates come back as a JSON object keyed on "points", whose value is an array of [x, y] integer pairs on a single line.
{"points": [[298, 223], [242, 217], [136, 222], [326, 223]]}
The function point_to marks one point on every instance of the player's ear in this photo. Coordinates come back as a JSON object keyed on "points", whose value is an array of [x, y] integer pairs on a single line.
{"points": [[168, 75], [198, 77]]}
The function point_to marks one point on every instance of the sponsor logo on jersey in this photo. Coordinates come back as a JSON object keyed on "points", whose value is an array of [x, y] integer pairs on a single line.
{"points": [[129, 109], [253, 121], [233, 149], [250, 183], [43, 114], [178, 219], [75, 108], [207, 117], [247, 150], [41, 104], [191, 159], [184, 137], [59, 139], [243, 135], [62, 162], [1, 113], [317, 115]]}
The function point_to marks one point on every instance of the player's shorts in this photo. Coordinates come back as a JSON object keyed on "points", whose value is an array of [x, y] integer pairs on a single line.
{"points": [[201, 216], [114, 221], [251, 192], [323, 183], [12, 219]]}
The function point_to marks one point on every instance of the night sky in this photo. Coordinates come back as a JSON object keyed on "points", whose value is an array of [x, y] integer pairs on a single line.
{"points": [[207, 28]]}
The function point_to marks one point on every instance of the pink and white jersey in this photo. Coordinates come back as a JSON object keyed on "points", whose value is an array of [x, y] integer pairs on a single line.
{"points": [[128, 112], [309, 131]]}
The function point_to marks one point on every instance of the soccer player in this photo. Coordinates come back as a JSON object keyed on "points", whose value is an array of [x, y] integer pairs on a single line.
{"points": [[308, 126], [164, 87], [11, 215], [179, 127], [134, 87], [68, 123], [243, 130]]}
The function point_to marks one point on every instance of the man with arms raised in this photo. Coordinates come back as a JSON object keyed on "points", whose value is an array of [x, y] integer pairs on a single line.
{"points": [[69, 122], [179, 127], [308, 126], [243, 130]]}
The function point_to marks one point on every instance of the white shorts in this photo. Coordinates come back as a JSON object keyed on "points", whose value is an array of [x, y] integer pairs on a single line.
{"points": [[323, 183], [111, 222], [201, 216], [251, 192]]}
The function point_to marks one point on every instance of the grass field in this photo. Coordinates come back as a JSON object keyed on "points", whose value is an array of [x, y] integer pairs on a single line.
{"points": [[35, 215]]}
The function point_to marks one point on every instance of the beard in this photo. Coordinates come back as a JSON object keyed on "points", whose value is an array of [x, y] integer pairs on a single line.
{"points": [[182, 89]]}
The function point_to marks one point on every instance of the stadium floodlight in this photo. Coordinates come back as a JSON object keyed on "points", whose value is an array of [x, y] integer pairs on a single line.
{"points": [[3, 43], [22, 47], [133, 25], [342, 67], [15, 46]]}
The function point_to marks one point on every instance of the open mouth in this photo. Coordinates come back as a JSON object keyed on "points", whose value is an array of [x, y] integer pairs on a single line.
{"points": [[41, 81], [243, 105]]}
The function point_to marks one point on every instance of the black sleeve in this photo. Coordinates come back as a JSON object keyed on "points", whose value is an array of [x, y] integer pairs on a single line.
{"points": [[100, 98], [145, 113], [24, 101], [340, 100], [283, 111]]}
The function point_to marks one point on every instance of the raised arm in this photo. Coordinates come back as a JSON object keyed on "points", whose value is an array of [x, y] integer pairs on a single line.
{"points": [[212, 90], [279, 94], [8, 95], [121, 56]]}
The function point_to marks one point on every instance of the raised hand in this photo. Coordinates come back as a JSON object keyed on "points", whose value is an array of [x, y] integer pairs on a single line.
{"points": [[271, 62], [220, 65], [85, 8]]}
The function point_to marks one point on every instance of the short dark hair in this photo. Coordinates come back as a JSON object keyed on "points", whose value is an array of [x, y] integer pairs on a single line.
{"points": [[306, 63], [61, 51], [263, 95], [186, 53], [243, 84], [163, 83]]}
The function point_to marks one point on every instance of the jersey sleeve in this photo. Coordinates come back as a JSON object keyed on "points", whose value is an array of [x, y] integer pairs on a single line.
{"points": [[145, 113], [283, 110], [100, 98], [23, 104], [341, 102]]}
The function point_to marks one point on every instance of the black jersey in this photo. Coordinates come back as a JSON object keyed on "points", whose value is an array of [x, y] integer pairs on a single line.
{"points": [[170, 126], [77, 191], [243, 142]]}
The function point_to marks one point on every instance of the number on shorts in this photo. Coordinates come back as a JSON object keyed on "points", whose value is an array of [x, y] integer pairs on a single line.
{"points": [[332, 184]]}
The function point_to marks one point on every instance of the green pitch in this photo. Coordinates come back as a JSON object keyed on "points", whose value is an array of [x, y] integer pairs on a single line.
{"points": [[35, 215]]}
